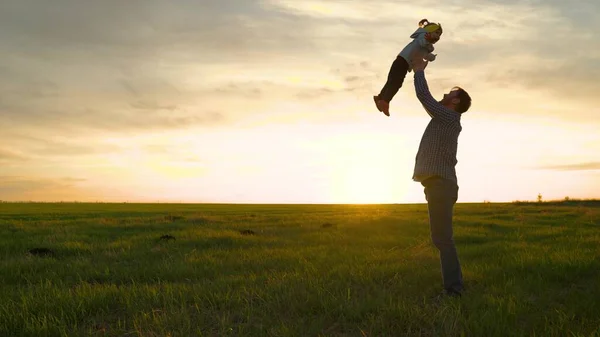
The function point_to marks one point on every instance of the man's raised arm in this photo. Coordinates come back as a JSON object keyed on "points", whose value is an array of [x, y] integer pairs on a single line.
{"points": [[434, 108]]}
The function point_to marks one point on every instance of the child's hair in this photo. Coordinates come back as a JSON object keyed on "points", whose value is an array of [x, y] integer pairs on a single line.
{"points": [[429, 26], [422, 23]]}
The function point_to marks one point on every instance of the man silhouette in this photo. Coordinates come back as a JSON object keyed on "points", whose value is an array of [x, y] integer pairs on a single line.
{"points": [[435, 170]]}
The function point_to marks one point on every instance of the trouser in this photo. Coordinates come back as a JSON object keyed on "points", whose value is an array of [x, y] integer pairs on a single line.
{"points": [[395, 79], [441, 195]]}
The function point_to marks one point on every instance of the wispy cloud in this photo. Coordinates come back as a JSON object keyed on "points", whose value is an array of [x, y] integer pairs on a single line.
{"points": [[28, 188], [574, 167], [175, 66], [7, 155], [536, 47], [59, 147]]}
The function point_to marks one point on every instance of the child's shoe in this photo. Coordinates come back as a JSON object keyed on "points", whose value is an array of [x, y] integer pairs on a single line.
{"points": [[382, 105], [376, 99]]}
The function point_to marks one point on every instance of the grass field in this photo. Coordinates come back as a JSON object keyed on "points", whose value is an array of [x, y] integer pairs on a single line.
{"points": [[308, 270]]}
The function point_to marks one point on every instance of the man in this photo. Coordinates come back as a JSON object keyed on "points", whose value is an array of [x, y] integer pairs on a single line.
{"points": [[435, 170]]}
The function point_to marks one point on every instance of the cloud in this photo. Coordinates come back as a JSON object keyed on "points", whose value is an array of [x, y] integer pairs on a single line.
{"points": [[307, 87], [139, 33], [27, 188], [7, 155], [180, 152], [135, 66], [252, 90], [73, 180], [574, 167], [359, 11], [50, 148], [107, 115], [482, 19], [567, 78], [24, 153], [117, 66], [487, 44]]}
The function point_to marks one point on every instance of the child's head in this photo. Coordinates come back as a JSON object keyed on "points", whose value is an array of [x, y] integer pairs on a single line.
{"points": [[434, 30]]}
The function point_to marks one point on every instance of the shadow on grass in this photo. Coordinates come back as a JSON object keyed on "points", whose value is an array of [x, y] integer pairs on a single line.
{"points": [[487, 225], [554, 284], [134, 227], [235, 241], [546, 238], [467, 239]]}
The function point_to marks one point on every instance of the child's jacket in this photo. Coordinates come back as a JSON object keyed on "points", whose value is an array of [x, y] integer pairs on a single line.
{"points": [[420, 45]]}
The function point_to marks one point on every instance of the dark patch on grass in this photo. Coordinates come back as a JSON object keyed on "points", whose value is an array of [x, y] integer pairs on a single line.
{"points": [[247, 232], [499, 228], [474, 239], [328, 225], [167, 237], [492, 227], [97, 280], [506, 217], [566, 234], [174, 217], [199, 221], [216, 243], [133, 230], [559, 274], [41, 252], [101, 328]]}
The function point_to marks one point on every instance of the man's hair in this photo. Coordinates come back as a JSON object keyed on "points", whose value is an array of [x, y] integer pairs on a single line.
{"points": [[465, 100]]}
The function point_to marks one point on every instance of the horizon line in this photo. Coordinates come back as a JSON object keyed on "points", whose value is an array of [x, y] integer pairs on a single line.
{"points": [[299, 203]]}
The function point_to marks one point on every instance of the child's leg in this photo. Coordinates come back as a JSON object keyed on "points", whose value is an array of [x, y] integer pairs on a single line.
{"points": [[395, 79]]}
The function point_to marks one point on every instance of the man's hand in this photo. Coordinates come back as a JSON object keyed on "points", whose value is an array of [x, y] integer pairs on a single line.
{"points": [[418, 63]]}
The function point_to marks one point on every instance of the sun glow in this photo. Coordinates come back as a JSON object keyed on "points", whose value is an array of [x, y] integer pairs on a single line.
{"points": [[366, 170], [364, 184]]}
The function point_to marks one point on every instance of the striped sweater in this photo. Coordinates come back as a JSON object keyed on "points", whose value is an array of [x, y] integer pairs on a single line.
{"points": [[438, 147]]}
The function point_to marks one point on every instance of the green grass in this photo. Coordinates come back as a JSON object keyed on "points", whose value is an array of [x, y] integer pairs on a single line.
{"points": [[531, 270]]}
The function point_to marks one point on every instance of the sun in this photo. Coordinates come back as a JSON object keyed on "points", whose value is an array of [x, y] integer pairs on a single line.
{"points": [[363, 185], [369, 177]]}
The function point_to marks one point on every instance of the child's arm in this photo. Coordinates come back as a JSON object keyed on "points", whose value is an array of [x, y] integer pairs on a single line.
{"points": [[423, 43], [430, 57]]}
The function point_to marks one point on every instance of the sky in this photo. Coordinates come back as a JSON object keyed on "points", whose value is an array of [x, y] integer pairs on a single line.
{"points": [[270, 101]]}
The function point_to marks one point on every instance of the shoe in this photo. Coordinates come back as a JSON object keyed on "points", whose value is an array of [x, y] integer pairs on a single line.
{"points": [[452, 292], [382, 105], [376, 100], [385, 107]]}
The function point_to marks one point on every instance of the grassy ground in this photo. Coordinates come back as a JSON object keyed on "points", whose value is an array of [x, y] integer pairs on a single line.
{"points": [[531, 269]]}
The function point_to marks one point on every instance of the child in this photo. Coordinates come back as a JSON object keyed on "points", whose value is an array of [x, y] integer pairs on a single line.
{"points": [[423, 40]]}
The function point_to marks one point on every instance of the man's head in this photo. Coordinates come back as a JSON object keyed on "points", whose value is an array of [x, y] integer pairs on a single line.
{"points": [[457, 99]]}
